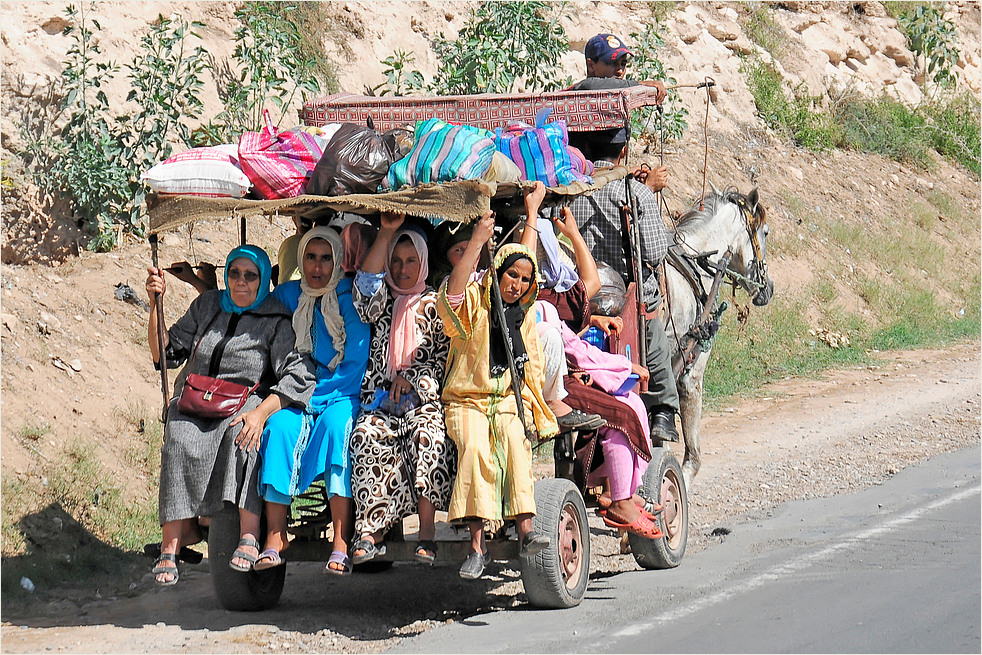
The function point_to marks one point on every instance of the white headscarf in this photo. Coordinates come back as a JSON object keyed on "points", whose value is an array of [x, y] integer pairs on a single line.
{"points": [[303, 318]]}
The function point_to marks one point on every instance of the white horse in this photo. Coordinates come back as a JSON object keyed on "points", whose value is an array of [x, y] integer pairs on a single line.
{"points": [[724, 221]]}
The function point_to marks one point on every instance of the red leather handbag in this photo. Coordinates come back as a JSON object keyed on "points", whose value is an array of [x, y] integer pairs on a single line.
{"points": [[208, 397], [205, 396]]}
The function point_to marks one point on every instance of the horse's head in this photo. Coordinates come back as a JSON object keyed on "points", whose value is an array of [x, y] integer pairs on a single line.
{"points": [[737, 222], [732, 221], [753, 251]]}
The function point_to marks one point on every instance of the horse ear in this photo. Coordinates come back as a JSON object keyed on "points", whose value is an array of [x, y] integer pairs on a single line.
{"points": [[716, 191], [753, 198]]}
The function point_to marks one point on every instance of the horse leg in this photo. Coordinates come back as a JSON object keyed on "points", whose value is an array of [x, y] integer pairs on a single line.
{"points": [[690, 405]]}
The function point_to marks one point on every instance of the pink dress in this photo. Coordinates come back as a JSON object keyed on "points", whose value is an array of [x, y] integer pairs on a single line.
{"points": [[623, 466]]}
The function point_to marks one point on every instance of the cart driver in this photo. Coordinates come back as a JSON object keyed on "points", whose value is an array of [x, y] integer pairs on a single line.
{"points": [[607, 58], [599, 219]]}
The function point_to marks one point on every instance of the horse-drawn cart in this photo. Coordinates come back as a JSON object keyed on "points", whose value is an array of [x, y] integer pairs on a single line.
{"points": [[558, 576]]}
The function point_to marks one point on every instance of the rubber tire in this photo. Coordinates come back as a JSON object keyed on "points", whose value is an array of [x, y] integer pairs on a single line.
{"points": [[663, 483], [557, 499], [237, 591]]}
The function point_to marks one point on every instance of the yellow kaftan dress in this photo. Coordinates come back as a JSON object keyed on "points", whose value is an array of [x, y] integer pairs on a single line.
{"points": [[494, 459]]}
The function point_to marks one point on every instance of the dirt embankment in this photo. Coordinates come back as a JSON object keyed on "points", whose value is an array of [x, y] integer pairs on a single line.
{"points": [[799, 439]]}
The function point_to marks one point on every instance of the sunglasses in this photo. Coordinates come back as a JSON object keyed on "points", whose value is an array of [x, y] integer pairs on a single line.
{"points": [[248, 276]]}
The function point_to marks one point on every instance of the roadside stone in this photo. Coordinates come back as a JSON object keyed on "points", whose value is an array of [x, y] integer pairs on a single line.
{"points": [[51, 321], [10, 322]]}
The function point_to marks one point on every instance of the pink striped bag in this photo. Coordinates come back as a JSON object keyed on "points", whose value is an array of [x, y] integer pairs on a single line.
{"points": [[542, 151], [278, 163]]}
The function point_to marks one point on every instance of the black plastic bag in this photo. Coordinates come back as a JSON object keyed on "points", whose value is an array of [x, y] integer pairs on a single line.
{"points": [[355, 160]]}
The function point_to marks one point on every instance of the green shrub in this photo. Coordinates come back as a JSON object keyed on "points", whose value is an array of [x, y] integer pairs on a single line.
{"points": [[503, 46], [885, 127], [953, 128], [933, 39], [400, 80], [645, 65], [94, 160], [760, 28], [797, 116], [274, 59], [661, 9], [91, 149]]}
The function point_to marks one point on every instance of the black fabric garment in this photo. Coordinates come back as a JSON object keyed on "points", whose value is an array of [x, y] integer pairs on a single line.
{"points": [[602, 84], [511, 331]]}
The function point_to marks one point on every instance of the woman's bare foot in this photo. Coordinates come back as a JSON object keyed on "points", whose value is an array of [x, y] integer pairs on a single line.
{"points": [[623, 511]]}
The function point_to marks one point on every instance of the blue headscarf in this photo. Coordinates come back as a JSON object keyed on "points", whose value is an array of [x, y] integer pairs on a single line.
{"points": [[257, 256]]}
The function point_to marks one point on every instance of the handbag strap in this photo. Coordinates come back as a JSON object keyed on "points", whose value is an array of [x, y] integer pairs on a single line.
{"points": [[216, 356]]}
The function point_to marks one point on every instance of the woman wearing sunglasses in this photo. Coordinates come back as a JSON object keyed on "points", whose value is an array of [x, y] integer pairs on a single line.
{"points": [[238, 334]]}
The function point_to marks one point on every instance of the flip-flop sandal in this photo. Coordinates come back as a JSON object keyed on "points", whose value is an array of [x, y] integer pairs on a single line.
{"points": [[371, 551], [642, 526], [339, 557], [423, 549], [241, 554], [649, 508], [268, 559], [158, 568], [185, 554]]}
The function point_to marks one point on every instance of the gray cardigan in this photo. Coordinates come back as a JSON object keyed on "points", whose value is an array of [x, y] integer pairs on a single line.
{"points": [[261, 350]]}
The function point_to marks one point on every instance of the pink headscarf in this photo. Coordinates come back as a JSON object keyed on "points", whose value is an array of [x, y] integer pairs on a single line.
{"points": [[357, 239], [402, 339]]}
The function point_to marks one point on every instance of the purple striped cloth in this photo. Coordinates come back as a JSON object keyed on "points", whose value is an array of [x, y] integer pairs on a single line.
{"points": [[543, 152]]}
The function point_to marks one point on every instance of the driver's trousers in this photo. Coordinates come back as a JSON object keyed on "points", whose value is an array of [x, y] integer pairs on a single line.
{"points": [[661, 381]]}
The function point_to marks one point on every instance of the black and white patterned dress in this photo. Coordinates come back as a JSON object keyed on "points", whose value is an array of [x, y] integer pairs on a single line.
{"points": [[396, 460]]}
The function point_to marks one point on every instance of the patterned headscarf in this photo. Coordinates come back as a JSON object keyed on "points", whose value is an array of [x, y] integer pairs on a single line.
{"points": [[303, 317], [510, 331], [402, 337], [257, 256]]}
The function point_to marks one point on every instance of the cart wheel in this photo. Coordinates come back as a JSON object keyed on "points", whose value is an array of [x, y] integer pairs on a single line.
{"points": [[236, 591], [557, 577], [663, 483]]}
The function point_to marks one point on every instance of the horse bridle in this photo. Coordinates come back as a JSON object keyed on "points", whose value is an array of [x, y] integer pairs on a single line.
{"points": [[757, 275]]}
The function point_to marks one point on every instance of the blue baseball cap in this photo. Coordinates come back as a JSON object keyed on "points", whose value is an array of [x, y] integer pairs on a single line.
{"points": [[605, 47]]}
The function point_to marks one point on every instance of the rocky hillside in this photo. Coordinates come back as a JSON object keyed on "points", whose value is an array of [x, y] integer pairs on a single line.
{"points": [[74, 362]]}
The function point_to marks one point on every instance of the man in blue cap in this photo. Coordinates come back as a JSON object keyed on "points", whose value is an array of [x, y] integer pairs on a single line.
{"points": [[606, 67], [607, 57]]}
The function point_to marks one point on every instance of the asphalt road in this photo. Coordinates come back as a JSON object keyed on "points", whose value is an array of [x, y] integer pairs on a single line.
{"points": [[894, 569]]}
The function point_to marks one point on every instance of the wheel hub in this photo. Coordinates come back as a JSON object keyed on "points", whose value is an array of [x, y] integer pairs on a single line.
{"points": [[672, 515], [570, 549]]}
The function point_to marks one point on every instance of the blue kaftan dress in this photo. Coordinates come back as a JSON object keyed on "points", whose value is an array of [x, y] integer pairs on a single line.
{"points": [[299, 447]]}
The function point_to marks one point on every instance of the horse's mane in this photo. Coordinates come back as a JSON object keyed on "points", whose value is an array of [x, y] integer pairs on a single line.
{"points": [[711, 204]]}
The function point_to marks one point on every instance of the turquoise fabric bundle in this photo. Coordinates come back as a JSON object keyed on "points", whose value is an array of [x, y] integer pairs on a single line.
{"points": [[442, 152]]}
